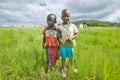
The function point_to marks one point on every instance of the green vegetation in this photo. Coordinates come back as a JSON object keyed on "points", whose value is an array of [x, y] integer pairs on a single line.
{"points": [[95, 23], [97, 55]]}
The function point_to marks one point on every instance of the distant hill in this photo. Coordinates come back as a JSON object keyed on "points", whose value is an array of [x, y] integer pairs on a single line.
{"points": [[95, 23]]}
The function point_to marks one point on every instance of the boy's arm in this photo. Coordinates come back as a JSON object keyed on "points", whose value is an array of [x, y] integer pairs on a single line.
{"points": [[73, 37], [75, 33], [43, 43], [43, 40], [59, 36]]}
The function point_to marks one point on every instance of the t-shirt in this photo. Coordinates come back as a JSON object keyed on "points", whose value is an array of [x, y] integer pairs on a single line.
{"points": [[66, 32], [50, 36]]}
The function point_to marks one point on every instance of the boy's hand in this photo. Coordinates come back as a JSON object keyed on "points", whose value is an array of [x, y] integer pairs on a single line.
{"points": [[62, 41], [70, 39]]}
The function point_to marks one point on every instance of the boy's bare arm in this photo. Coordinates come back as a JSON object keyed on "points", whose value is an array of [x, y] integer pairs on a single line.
{"points": [[60, 37], [43, 43], [73, 37]]}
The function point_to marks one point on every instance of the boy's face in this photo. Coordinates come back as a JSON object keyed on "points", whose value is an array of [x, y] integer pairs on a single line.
{"points": [[66, 17], [51, 20]]}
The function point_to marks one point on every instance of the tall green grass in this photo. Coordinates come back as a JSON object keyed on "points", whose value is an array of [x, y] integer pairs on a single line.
{"points": [[97, 55]]}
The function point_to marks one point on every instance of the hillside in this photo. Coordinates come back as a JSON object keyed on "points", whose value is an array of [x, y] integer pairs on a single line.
{"points": [[95, 23]]}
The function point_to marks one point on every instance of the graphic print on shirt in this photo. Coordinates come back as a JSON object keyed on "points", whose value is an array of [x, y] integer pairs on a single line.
{"points": [[52, 33]]}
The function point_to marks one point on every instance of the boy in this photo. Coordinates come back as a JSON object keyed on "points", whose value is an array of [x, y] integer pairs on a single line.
{"points": [[50, 41], [68, 33]]}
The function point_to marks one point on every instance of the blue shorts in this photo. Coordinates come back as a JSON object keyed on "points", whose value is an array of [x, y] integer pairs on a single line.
{"points": [[67, 52]]}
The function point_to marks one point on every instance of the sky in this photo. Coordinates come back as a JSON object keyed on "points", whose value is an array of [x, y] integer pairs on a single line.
{"points": [[34, 12]]}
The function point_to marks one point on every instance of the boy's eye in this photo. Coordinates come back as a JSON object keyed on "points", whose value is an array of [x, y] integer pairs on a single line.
{"points": [[66, 16], [49, 19]]}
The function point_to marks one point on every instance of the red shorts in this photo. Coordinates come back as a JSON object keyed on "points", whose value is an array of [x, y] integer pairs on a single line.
{"points": [[52, 54]]}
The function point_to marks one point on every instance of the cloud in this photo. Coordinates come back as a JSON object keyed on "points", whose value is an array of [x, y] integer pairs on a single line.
{"points": [[114, 16], [42, 4], [34, 12]]}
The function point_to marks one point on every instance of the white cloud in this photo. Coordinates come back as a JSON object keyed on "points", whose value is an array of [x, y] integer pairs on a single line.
{"points": [[35, 11], [115, 16]]}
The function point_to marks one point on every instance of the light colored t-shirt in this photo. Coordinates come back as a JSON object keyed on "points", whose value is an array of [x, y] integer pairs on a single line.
{"points": [[67, 31]]}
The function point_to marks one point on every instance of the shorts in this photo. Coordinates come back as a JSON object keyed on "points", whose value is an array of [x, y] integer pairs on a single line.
{"points": [[67, 52], [51, 54]]}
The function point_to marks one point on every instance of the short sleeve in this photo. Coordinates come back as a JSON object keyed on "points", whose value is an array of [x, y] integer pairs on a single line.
{"points": [[75, 29], [44, 31]]}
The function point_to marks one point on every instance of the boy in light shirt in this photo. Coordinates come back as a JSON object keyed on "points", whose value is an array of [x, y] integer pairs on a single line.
{"points": [[67, 35]]}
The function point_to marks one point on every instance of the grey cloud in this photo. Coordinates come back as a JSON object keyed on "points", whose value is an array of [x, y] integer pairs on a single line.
{"points": [[14, 12], [94, 15], [35, 11], [87, 6]]}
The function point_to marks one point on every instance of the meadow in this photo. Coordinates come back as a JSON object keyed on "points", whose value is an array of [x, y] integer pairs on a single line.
{"points": [[97, 55]]}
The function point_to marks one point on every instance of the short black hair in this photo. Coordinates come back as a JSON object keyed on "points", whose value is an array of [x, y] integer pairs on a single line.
{"points": [[52, 15], [65, 10]]}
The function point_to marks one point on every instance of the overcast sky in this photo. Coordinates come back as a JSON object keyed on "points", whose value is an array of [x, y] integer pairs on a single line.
{"points": [[34, 12]]}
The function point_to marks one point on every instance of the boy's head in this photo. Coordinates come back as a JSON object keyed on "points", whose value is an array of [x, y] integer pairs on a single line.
{"points": [[51, 20], [65, 16]]}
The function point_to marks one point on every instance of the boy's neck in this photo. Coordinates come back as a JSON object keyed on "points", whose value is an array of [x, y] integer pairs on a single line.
{"points": [[68, 23], [51, 26]]}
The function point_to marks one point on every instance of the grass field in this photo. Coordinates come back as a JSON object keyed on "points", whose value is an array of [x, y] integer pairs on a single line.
{"points": [[97, 55]]}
